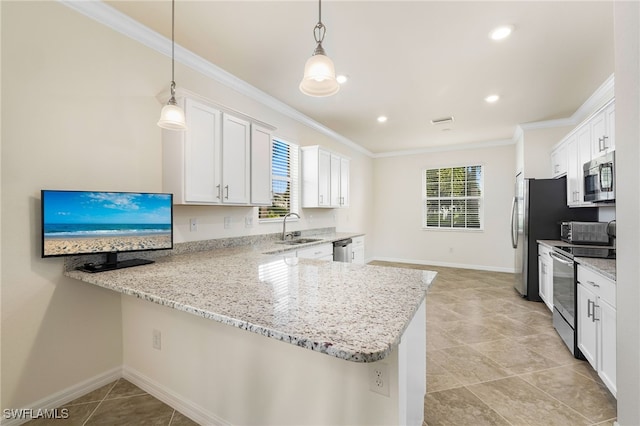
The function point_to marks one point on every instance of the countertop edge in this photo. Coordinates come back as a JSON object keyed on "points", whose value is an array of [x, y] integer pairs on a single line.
{"points": [[347, 353], [600, 266]]}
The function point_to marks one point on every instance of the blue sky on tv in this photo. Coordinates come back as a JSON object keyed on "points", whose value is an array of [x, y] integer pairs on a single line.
{"points": [[83, 207]]}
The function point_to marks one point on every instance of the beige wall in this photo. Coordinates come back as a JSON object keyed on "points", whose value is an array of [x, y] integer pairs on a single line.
{"points": [[79, 112], [398, 211], [627, 68]]}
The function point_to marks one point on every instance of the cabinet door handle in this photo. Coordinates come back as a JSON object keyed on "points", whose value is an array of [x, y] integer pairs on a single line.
{"points": [[589, 312], [593, 284], [218, 186], [226, 188], [604, 143], [321, 201], [594, 319], [556, 168]]}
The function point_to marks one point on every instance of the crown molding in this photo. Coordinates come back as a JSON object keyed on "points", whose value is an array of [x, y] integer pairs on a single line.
{"points": [[123, 24]]}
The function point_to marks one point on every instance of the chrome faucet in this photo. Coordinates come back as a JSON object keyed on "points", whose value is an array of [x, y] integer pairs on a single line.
{"points": [[284, 224]]}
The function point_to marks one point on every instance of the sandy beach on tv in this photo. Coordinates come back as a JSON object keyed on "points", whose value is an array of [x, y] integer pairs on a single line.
{"points": [[56, 246]]}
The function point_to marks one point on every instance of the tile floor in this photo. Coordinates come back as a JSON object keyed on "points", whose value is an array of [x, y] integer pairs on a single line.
{"points": [[493, 358], [118, 403]]}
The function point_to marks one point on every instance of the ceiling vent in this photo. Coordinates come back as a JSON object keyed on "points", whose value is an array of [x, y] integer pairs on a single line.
{"points": [[444, 120]]}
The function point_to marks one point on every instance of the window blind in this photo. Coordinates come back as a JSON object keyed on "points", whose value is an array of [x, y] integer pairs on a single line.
{"points": [[284, 181], [453, 197]]}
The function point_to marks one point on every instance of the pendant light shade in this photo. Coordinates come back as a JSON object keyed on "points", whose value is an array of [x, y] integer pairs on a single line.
{"points": [[172, 116], [319, 72]]}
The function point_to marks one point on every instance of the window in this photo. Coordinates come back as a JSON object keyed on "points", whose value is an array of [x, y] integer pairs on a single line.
{"points": [[284, 181], [452, 198]]}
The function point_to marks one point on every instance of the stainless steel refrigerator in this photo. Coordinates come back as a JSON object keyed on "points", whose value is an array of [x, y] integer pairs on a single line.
{"points": [[539, 206]]}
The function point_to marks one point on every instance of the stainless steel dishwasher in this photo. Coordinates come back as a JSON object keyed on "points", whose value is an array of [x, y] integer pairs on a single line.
{"points": [[342, 251]]}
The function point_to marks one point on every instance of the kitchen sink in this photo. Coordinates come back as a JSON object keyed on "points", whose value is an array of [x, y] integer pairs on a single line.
{"points": [[299, 241]]}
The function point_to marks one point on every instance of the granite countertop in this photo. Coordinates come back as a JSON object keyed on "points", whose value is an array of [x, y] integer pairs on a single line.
{"points": [[605, 267], [353, 312]]}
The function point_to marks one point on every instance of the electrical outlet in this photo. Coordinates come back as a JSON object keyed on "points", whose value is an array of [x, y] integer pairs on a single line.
{"points": [[227, 222], [193, 225], [379, 378], [157, 340], [248, 221]]}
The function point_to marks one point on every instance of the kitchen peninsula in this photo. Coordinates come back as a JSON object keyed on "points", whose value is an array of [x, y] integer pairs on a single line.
{"points": [[341, 324]]}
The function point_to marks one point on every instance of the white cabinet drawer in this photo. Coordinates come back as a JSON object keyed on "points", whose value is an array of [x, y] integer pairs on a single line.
{"points": [[357, 242], [317, 252], [599, 284], [543, 251]]}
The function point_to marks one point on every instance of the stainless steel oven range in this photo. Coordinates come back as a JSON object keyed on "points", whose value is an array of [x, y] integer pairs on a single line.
{"points": [[564, 290], [564, 298]]}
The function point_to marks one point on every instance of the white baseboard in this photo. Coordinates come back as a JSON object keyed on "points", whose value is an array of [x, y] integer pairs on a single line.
{"points": [[446, 264], [190, 409], [67, 395]]}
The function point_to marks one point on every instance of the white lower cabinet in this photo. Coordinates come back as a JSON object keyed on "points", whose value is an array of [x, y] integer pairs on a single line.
{"points": [[357, 250], [596, 300], [322, 252], [545, 275]]}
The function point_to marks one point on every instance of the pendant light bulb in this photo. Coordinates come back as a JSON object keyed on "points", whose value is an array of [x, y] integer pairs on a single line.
{"points": [[172, 116], [319, 72]]}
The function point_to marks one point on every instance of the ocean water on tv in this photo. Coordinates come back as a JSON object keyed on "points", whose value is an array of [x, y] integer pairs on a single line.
{"points": [[87, 230]]}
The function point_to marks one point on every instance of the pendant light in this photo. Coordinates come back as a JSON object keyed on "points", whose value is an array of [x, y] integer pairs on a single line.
{"points": [[319, 73], [172, 116]]}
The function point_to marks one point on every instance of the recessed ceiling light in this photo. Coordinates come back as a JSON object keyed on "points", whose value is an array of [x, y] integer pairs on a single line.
{"points": [[500, 33], [492, 98], [382, 119], [342, 79]]}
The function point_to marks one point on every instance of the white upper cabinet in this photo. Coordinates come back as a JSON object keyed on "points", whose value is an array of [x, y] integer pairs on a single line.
{"points": [[322, 178], [559, 161], [591, 139], [211, 162], [236, 160], [344, 182], [603, 131], [261, 148], [192, 159], [335, 180]]}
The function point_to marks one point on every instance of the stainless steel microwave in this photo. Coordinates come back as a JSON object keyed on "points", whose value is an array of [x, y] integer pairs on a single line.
{"points": [[599, 179]]}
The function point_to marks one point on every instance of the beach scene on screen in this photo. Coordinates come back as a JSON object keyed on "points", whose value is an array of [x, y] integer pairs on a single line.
{"points": [[96, 222]]}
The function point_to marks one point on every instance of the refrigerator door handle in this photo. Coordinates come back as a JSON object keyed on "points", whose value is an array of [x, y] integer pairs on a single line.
{"points": [[514, 225]]}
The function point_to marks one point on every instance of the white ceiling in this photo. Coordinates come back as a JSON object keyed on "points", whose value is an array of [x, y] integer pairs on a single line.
{"points": [[412, 61]]}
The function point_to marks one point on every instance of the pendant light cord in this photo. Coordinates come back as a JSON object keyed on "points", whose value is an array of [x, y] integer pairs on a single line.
{"points": [[173, 13], [319, 30]]}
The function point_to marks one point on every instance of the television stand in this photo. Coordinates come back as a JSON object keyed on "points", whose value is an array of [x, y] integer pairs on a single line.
{"points": [[113, 263]]}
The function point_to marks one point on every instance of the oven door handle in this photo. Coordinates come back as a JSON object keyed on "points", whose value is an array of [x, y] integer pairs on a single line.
{"points": [[561, 259]]}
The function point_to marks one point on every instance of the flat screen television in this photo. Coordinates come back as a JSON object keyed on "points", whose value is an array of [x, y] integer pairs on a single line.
{"points": [[92, 222]]}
